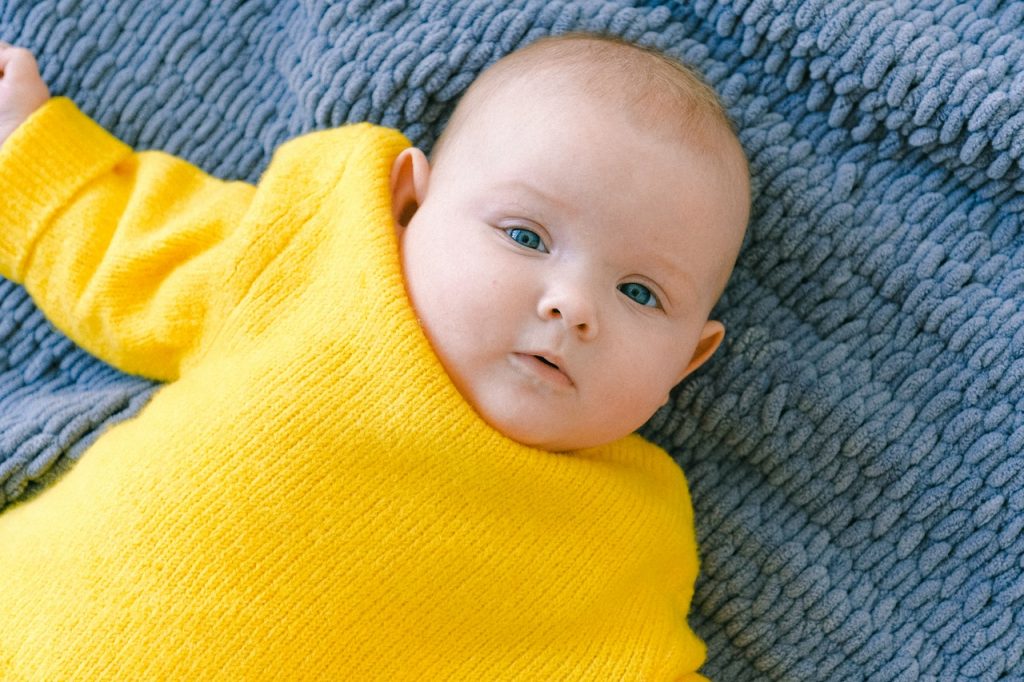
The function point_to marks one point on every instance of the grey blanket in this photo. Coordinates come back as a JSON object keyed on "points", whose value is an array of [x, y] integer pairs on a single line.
{"points": [[856, 449]]}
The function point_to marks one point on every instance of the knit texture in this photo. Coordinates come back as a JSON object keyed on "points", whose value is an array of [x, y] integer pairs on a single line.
{"points": [[855, 448], [346, 514]]}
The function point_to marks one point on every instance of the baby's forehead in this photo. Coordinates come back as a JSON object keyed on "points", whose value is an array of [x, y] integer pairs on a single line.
{"points": [[658, 92], [590, 95]]}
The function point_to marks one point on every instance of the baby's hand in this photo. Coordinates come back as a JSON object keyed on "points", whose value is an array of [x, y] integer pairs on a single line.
{"points": [[22, 90]]}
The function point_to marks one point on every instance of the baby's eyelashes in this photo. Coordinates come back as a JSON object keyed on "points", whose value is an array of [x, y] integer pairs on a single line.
{"points": [[526, 238], [639, 293]]}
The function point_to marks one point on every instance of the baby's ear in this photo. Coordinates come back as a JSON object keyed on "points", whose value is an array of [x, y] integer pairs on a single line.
{"points": [[409, 175], [710, 338]]}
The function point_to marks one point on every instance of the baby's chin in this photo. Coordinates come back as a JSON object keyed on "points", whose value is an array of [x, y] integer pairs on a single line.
{"points": [[552, 439], [555, 421]]}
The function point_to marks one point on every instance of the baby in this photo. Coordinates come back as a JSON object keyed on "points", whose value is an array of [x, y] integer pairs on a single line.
{"points": [[395, 442]]}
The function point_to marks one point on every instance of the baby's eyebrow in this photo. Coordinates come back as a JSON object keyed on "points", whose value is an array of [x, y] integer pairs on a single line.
{"points": [[679, 282], [524, 187]]}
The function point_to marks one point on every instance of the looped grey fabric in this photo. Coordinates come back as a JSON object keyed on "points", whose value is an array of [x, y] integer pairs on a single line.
{"points": [[854, 450]]}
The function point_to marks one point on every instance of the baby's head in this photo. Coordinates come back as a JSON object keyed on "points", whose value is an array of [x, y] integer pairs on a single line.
{"points": [[564, 246]]}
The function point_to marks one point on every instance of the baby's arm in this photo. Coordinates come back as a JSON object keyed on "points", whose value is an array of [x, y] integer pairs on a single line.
{"points": [[138, 257], [22, 91]]}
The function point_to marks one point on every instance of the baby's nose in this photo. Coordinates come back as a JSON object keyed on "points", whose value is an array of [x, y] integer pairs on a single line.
{"points": [[575, 309]]}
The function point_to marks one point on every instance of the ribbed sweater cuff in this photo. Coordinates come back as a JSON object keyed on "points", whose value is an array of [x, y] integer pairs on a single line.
{"points": [[47, 159]]}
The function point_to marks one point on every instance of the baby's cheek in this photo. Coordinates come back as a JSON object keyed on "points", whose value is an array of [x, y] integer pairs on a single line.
{"points": [[639, 389]]}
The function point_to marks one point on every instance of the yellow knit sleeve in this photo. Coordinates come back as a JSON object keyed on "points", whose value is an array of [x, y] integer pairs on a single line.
{"points": [[134, 255]]}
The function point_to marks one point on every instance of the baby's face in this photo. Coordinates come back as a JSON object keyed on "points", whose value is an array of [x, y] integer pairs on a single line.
{"points": [[563, 267]]}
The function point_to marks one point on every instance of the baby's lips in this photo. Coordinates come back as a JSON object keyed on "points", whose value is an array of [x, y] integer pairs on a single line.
{"points": [[550, 362]]}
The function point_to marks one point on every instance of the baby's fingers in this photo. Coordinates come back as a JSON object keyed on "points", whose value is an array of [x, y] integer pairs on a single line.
{"points": [[17, 63], [22, 90]]}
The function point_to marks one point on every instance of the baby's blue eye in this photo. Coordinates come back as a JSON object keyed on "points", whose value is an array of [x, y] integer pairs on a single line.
{"points": [[527, 238], [639, 293]]}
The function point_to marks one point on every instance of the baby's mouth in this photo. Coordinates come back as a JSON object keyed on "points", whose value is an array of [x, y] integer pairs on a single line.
{"points": [[546, 361], [544, 368]]}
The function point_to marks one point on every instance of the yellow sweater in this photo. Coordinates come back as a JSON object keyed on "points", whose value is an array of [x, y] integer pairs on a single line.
{"points": [[308, 498]]}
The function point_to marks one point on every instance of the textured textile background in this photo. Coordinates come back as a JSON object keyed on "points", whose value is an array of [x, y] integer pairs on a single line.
{"points": [[854, 451]]}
